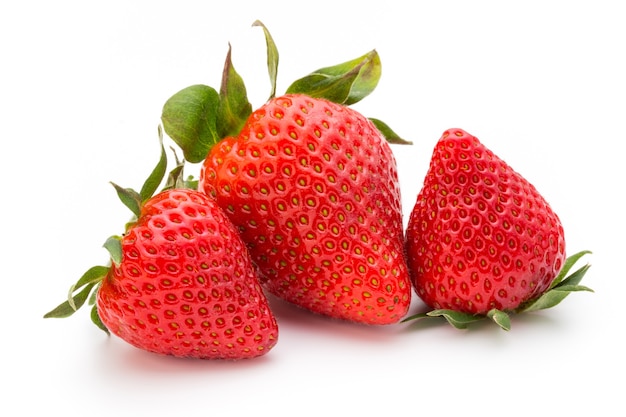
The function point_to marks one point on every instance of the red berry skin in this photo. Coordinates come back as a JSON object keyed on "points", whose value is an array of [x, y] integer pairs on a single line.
{"points": [[313, 188], [186, 285], [480, 235]]}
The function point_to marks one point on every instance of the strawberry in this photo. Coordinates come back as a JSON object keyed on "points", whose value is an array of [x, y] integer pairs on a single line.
{"points": [[312, 187], [481, 240], [180, 282], [311, 184]]}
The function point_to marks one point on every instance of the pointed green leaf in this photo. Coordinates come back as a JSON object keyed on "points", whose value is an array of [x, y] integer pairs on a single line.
{"points": [[557, 294], [456, 318], [174, 179], [114, 246], [390, 135], [189, 117], [320, 86], [548, 299], [95, 319], [94, 294], [346, 83], [234, 107], [154, 180], [574, 278], [501, 318], [79, 299], [70, 306], [175, 176], [129, 197], [572, 288], [272, 57], [93, 275], [569, 263], [367, 79], [415, 317], [176, 158]]}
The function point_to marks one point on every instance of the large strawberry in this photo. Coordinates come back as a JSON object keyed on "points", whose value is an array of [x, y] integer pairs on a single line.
{"points": [[481, 240], [180, 282], [313, 188], [310, 183]]}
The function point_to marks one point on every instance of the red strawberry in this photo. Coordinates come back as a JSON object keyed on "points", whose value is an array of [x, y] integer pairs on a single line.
{"points": [[181, 283], [313, 188], [186, 285], [481, 239]]}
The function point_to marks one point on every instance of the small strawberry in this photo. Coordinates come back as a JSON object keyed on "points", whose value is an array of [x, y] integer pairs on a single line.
{"points": [[180, 282], [313, 188], [481, 240]]}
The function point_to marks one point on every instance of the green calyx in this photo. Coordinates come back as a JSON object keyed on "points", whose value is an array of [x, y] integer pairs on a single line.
{"points": [[562, 285], [346, 83], [134, 200], [197, 117], [85, 289]]}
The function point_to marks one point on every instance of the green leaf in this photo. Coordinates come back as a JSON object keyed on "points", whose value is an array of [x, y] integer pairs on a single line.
{"points": [[554, 296], [415, 317], [130, 198], [457, 319], [175, 178], [94, 294], [95, 319], [573, 279], [390, 135], [368, 76], [234, 107], [114, 246], [548, 299], [70, 306], [501, 318], [346, 83], [569, 263], [572, 288], [93, 275], [272, 57], [191, 183], [154, 180], [190, 118], [89, 283]]}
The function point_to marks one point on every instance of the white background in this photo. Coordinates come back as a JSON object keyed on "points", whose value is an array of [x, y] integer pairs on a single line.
{"points": [[541, 83]]}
